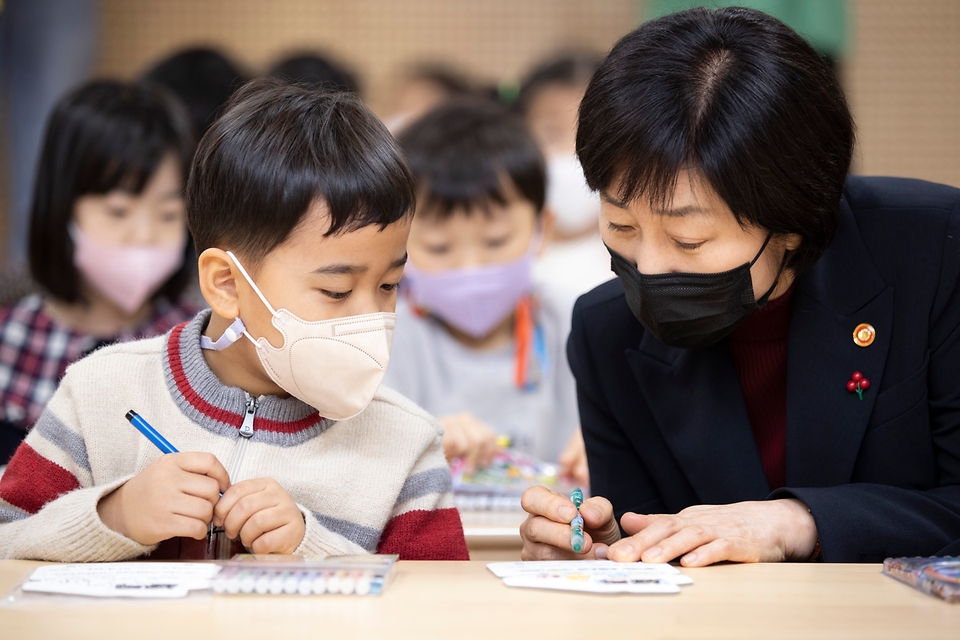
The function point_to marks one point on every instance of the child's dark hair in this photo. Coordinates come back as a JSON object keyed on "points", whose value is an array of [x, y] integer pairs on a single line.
{"points": [[466, 155], [452, 82], [317, 71], [568, 70], [101, 137], [204, 79], [280, 147]]}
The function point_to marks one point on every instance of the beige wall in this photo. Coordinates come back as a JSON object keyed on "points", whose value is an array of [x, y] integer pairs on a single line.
{"points": [[904, 85], [491, 38], [903, 75]]}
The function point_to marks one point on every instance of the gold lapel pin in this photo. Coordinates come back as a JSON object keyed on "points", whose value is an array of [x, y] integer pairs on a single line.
{"points": [[864, 335]]}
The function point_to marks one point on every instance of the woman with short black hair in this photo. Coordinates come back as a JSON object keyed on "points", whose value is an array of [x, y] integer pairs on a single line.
{"points": [[776, 375]]}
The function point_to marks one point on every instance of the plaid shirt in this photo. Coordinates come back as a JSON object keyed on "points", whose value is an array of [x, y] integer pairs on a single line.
{"points": [[35, 351]]}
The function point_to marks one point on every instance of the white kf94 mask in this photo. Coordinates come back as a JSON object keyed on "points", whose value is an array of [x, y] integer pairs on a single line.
{"points": [[335, 365]]}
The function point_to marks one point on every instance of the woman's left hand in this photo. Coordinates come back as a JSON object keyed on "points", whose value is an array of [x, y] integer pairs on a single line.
{"points": [[767, 531]]}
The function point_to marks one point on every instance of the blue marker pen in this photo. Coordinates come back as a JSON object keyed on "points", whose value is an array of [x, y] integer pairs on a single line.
{"points": [[152, 434], [164, 445]]}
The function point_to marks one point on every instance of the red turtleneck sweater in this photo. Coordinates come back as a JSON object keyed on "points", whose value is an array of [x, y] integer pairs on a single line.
{"points": [[759, 350]]}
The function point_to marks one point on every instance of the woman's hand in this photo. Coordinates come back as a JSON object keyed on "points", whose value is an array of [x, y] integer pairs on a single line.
{"points": [[767, 531], [573, 461], [464, 436], [546, 531]]}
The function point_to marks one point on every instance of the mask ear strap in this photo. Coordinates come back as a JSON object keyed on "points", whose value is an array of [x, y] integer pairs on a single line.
{"points": [[230, 335], [766, 297], [251, 282], [759, 253]]}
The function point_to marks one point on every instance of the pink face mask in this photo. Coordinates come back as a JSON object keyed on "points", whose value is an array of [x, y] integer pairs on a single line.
{"points": [[127, 275], [473, 300]]}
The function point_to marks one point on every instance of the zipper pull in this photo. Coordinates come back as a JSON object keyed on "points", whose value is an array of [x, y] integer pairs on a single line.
{"points": [[246, 429]]}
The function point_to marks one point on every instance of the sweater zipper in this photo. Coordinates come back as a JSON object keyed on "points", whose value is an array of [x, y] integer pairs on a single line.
{"points": [[246, 432], [239, 459]]}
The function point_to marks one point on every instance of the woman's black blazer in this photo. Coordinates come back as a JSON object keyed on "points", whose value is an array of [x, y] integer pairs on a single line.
{"points": [[667, 428]]}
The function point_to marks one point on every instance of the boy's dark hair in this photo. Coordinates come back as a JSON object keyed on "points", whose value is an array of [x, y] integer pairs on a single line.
{"points": [[278, 148], [731, 94], [102, 136], [203, 79], [317, 71], [471, 154], [568, 70]]}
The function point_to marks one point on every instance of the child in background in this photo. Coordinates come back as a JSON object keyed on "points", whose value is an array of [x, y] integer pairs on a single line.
{"points": [[203, 79], [108, 241], [549, 99], [477, 344], [299, 202], [424, 87], [317, 71]]}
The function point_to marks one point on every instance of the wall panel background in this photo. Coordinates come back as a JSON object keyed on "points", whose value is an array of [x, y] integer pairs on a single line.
{"points": [[903, 73]]}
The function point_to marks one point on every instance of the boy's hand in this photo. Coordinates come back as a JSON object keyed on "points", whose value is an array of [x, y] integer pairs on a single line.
{"points": [[573, 461], [263, 515], [464, 436], [172, 497]]}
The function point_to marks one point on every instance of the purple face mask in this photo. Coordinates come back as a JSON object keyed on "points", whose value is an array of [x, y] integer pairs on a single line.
{"points": [[473, 300]]}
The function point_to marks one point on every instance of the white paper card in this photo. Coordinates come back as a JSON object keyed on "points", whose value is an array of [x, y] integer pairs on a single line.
{"points": [[123, 579], [592, 576]]}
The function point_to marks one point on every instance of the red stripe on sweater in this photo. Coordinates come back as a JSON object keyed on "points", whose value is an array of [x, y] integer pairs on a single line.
{"points": [[216, 413], [31, 481], [425, 535]]}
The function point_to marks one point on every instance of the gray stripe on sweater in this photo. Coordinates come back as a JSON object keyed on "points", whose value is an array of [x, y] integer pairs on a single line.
{"points": [[424, 483], [51, 428], [366, 537], [290, 439], [232, 399], [10, 513]]}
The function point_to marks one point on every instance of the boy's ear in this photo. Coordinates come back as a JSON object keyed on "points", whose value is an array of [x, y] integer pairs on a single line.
{"points": [[546, 227], [218, 282]]}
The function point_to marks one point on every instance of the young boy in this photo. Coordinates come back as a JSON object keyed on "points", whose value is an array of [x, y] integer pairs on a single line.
{"points": [[549, 98], [476, 344], [299, 205]]}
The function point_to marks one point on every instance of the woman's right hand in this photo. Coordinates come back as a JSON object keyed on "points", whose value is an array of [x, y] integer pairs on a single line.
{"points": [[465, 436], [546, 531]]}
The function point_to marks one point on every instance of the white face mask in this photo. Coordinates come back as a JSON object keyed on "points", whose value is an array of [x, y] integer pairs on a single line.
{"points": [[335, 365], [575, 207]]}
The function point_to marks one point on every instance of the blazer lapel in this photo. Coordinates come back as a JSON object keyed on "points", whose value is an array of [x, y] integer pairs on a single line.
{"points": [[696, 400], [825, 421]]}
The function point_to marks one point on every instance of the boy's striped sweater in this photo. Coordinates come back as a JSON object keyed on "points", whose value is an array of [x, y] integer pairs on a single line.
{"points": [[377, 482]]}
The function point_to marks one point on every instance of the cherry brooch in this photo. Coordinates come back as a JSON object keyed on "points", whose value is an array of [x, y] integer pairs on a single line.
{"points": [[858, 384]]}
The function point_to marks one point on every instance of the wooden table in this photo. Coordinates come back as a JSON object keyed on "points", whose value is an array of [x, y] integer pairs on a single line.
{"points": [[463, 600]]}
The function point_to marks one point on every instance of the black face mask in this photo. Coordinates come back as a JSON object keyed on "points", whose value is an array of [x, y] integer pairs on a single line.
{"points": [[691, 310]]}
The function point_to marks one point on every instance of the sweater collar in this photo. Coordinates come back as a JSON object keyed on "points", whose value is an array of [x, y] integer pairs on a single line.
{"points": [[205, 400], [770, 323]]}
